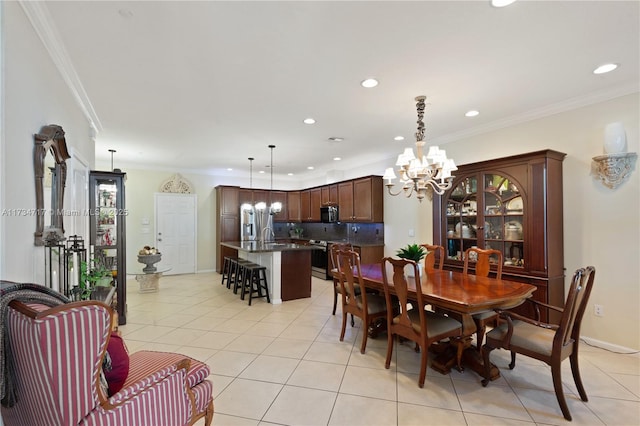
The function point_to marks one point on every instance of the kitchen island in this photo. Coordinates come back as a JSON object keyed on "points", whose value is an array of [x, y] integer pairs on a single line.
{"points": [[288, 266]]}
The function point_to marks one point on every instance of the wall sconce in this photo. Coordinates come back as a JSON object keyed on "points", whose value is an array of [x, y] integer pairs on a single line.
{"points": [[616, 164]]}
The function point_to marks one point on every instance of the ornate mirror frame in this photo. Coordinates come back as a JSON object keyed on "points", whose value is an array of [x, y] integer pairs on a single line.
{"points": [[50, 139]]}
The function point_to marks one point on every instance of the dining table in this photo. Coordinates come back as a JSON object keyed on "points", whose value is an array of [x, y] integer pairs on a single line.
{"points": [[461, 296]]}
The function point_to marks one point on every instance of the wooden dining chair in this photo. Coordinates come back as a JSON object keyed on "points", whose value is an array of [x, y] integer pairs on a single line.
{"points": [[549, 343], [484, 258], [435, 256], [415, 324], [337, 290], [368, 307]]}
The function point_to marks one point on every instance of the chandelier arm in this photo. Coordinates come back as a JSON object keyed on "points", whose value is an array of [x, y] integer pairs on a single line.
{"points": [[439, 188], [391, 185]]}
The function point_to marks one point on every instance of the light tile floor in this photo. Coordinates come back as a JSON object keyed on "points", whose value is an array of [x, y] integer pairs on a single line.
{"points": [[284, 365]]}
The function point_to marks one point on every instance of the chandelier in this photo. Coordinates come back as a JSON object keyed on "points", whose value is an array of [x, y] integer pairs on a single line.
{"points": [[421, 175]]}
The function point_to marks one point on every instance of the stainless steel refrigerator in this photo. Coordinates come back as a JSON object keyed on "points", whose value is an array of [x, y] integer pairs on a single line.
{"points": [[256, 223]]}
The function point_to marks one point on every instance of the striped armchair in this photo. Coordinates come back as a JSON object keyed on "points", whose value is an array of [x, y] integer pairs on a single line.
{"points": [[56, 361]]}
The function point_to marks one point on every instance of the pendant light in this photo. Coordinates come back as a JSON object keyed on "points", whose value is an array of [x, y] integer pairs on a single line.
{"points": [[277, 206], [248, 206]]}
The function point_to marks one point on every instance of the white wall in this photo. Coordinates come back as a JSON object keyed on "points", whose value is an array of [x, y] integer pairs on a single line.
{"points": [[34, 94]]}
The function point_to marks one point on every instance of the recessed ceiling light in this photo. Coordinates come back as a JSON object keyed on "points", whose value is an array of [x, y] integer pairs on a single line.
{"points": [[602, 69], [289, 174], [308, 121], [472, 113], [501, 3], [229, 170], [369, 83], [310, 168], [261, 171], [398, 138], [335, 139], [337, 158]]}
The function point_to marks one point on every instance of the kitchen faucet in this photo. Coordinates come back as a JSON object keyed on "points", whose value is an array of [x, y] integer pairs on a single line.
{"points": [[272, 235]]}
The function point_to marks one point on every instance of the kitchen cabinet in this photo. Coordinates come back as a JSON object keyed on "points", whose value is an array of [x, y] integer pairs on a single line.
{"points": [[244, 196], [107, 231], [514, 205], [279, 197], [329, 195], [293, 206], [228, 219], [310, 201], [361, 200]]}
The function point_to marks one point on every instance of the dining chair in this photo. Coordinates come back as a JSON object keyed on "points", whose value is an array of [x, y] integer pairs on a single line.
{"points": [[433, 251], [415, 324], [367, 306], [483, 262], [549, 343], [334, 249]]}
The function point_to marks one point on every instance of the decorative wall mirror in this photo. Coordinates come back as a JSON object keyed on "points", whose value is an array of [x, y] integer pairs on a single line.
{"points": [[50, 173]]}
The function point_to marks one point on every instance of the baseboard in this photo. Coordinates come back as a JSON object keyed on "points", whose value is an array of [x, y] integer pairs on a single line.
{"points": [[205, 271], [608, 346]]}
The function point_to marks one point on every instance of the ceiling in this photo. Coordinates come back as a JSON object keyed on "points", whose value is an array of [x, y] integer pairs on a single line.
{"points": [[202, 86]]}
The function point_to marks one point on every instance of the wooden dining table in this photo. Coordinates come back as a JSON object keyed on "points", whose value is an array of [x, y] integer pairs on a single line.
{"points": [[462, 296]]}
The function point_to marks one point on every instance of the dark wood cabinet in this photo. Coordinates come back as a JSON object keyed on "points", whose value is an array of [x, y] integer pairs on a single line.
{"points": [[360, 200], [279, 197], [244, 196], [315, 196], [345, 201], [514, 205], [229, 199], [329, 195], [310, 201], [107, 226], [293, 206]]}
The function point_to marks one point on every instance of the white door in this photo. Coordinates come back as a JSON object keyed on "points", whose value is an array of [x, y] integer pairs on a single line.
{"points": [[175, 227]]}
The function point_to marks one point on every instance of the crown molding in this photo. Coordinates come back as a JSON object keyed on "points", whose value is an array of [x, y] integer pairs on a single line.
{"points": [[546, 111], [43, 25]]}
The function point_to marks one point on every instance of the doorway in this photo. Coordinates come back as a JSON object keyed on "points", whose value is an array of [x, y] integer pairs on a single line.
{"points": [[175, 230]]}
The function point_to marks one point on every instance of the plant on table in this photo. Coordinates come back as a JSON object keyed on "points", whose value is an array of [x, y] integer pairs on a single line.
{"points": [[412, 252], [92, 274]]}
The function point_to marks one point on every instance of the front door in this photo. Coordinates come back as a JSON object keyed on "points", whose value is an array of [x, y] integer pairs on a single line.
{"points": [[176, 231]]}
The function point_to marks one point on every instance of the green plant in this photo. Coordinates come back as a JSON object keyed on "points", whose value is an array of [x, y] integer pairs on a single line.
{"points": [[92, 273], [412, 252]]}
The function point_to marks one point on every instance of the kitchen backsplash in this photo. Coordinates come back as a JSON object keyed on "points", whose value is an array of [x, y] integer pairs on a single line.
{"points": [[362, 233]]}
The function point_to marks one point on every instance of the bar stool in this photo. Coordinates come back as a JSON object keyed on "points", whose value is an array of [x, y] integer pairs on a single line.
{"points": [[240, 273], [255, 281], [227, 271]]}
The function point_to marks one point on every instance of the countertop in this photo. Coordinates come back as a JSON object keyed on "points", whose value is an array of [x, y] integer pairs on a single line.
{"points": [[355, 243], [256, 246]]}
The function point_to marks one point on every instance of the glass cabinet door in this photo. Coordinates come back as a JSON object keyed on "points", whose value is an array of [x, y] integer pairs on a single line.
{"points": [[462, 218], [486, 211], [504, 218]]}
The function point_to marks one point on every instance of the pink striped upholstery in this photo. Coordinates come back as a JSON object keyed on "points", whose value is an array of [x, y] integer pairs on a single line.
{"points": [[58, 357]]}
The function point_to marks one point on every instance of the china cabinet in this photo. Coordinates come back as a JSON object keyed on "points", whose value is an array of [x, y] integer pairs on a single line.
{"points": [[107, 226], [514, 205]]}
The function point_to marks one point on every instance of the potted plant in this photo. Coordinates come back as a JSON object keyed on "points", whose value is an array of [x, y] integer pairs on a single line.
{"points": [[412, 252], [92, 274]]}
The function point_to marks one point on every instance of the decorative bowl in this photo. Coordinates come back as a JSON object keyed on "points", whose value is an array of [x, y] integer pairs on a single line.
{"points": [[149, 260]]}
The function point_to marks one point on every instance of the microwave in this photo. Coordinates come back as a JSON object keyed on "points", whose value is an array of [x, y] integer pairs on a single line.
{"points": [[329, 214]]}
